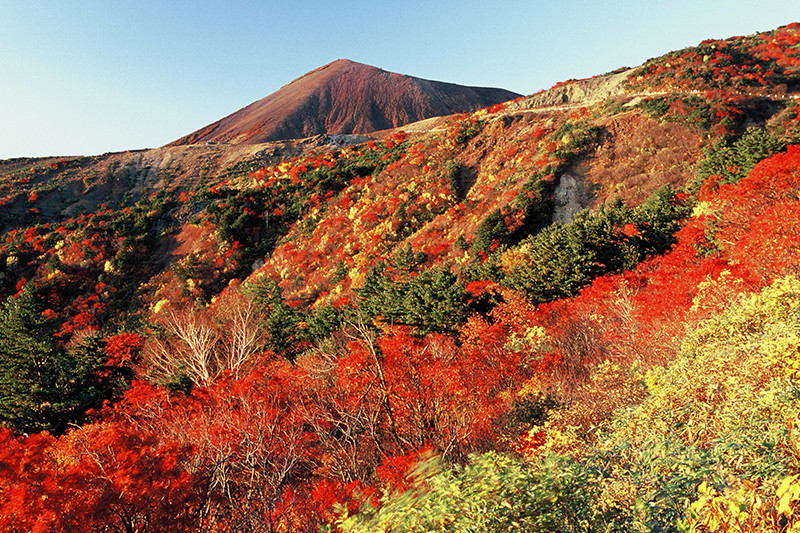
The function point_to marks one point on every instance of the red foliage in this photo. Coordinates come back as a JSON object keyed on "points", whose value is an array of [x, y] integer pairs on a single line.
{"points": [[630, 230], [336, 424], [394, 471], [124, 349], [756, 220], [242, 431], [21, 284], [101, 476], [760, 63]]}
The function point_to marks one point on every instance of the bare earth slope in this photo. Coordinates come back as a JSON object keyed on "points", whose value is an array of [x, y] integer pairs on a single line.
{"points": [[344, 97], [584, 92]]}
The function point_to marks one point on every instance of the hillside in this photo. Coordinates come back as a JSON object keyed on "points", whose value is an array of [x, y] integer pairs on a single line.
{"points": [[344, 97], [574, 311], [65, 187]]}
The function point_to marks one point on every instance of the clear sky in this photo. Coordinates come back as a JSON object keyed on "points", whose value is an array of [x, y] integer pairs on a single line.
{"points": [[84, 77]]}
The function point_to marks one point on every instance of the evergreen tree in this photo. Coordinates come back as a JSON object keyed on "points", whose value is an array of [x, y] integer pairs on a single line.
{"points": [[42, 387], [281, 321], [433, 300]]}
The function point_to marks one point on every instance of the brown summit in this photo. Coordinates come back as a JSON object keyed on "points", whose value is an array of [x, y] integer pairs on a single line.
{"points": [[344, 97]]}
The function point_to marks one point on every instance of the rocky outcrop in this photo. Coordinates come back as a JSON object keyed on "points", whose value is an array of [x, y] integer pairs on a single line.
{"points": [[571, 197]]}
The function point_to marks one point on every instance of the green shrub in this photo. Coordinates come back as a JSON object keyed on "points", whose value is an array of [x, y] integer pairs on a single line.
{"points": [[492, 493]]}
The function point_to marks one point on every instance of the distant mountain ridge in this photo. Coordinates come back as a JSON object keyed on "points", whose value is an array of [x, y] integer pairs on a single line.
{"points": [[344, 97]]}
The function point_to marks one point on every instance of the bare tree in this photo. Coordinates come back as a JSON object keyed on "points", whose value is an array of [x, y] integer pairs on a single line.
{"points": [[243, 338], [189, 347], [202, 343]]}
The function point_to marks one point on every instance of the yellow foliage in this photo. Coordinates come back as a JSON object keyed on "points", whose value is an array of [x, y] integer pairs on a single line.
{"points": [[761, 324], [561, 437], [610, 388], [747, 505], [714, 294], [335, 291], [530, 340], [703, 208], [357, 278], [384, 227], [159, 306], [530, 387], [515, 257], [733, 369]]}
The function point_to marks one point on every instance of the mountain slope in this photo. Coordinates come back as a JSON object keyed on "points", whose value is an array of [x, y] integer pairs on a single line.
{"points": [[766, 63], [344, 97]]}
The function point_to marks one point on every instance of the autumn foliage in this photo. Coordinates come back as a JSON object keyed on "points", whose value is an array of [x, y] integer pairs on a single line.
{"points": [[394, 336]]}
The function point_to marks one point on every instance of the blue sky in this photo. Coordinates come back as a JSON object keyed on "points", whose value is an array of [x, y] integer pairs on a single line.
{"points": [[87, 76]]}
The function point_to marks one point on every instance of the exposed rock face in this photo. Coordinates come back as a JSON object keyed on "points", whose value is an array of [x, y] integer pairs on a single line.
{"points": [[571, 197], [584, 92], [344, 97]]}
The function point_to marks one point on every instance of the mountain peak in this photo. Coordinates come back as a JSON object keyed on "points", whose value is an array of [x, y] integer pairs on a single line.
{"points": [[334, 66], [344, 97]]}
